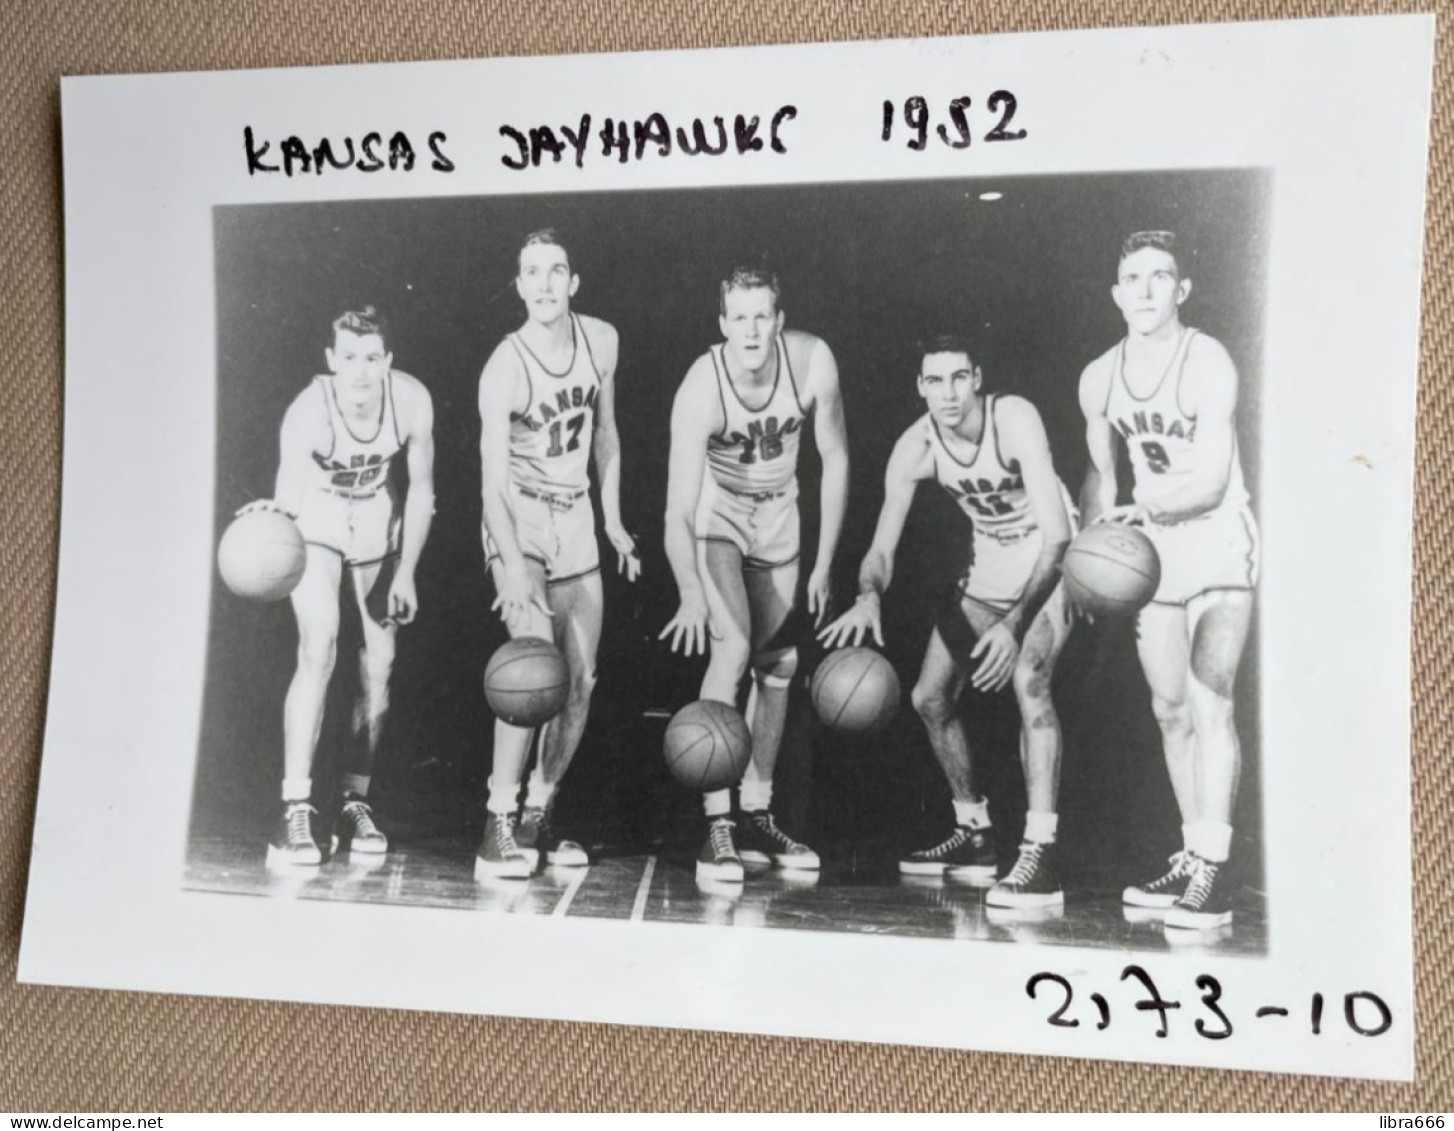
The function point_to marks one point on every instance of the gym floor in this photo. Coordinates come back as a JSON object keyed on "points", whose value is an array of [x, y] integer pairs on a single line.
{"points": [[849, 895]]}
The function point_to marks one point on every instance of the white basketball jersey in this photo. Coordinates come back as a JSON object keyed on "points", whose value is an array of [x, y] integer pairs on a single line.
{"points": [[550, 442], [358, 466], [756, 452], [990, 492], [1159, 434]]}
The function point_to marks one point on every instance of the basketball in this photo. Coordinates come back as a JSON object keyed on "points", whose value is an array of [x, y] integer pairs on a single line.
{"points": [[855, 690], [526, 681], [1111, 570], [708, 746], [262, 556]]}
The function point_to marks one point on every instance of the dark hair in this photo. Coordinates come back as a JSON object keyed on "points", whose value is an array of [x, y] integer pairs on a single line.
{"points": [[365, 320], [748, 278], [546, 236], [944, 343], [1162, 241]]}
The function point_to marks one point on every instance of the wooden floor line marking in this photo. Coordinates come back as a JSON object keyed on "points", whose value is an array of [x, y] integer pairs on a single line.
{"points": [[572, 886], [638, 909]]}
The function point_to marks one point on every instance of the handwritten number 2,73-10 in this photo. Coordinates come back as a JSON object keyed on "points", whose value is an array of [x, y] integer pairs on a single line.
{"points": [[1364, 1013], [956, 132]]}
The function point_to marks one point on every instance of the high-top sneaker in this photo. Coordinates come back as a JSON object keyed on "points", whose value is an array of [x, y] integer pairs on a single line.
{"points": [[293, 844], [968, 855], [499, 857], [761, 843], [718, 859], [1034, 881]]}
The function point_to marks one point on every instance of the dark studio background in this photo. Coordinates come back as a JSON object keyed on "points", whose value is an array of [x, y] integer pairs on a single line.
{"points": [[870, 268]]}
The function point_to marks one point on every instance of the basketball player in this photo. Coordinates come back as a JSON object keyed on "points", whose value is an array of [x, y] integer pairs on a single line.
{"points": [[1009, 620], [340, 439], [1170, 393], [732, 538], [547, 404]]}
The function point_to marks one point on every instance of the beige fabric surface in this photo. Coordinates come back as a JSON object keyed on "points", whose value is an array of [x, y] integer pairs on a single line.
{"points": [[71, 1050]]}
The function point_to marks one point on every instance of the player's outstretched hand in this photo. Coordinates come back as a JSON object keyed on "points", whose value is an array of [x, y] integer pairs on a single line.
{"points": [[996, 651], [851, 627], [627, 560], [517, 596], [1131, 514], [691, 628], [403, 600]]}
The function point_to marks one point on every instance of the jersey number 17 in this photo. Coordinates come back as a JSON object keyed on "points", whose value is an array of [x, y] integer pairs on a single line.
{"points": [[575, 424]]}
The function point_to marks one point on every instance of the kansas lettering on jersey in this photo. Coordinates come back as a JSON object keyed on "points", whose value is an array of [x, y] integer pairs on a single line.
{"points": [[989, 491], [756, 452], [550, 442], [355, 466], [1158, 434]]}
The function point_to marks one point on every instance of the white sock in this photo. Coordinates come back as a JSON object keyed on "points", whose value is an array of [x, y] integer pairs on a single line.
{"points": [[975, 814], [502, 803], [1189, 837], [1040, 826], [1214, 841], [355, 783], [538, 793], [718, 803], [297, 789], [756, 796]]}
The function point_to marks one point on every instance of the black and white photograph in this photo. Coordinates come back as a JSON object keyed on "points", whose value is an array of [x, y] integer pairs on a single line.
{"points": [[906, 549], [610, 590]]}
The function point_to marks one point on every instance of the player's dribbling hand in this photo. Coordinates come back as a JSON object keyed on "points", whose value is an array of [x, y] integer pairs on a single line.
{"points": [[820, 593], [403, 601], [1073, 610], [517, 596], [691, 628], [258, 505], [627, 560], [1130, 514], [997, 651], [850, 628]]}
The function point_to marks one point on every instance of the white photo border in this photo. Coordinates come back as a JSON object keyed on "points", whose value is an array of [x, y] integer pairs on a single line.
{"points": [[1337, 109]]}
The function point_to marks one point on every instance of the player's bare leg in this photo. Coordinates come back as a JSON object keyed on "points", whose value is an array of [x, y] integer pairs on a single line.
{"points": [[719, 565], [1163, 645], [936, 699], [356, 832], [1034, 881], [1219, 623], [770, 594], [577, 605], [969, 852], [315, 606], [1040, 735], [499, 856], [748, 608], [1163, 642]]}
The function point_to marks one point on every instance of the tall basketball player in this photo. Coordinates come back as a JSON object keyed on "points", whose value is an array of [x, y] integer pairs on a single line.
{"points": [[1170, 393], [1008, 621], [340, 439], [732, 538], [547, 404]]}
